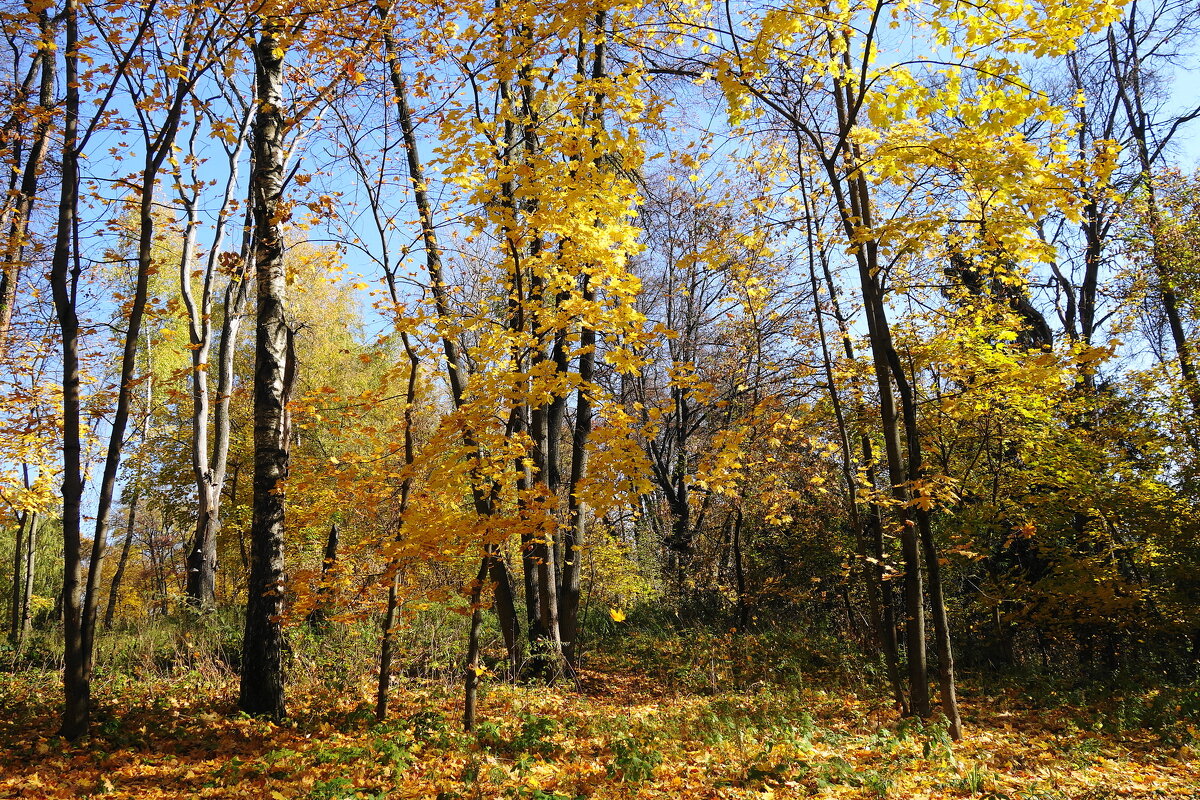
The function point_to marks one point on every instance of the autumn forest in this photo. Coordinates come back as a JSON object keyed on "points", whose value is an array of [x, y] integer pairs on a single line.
{"points": [[600, 398]]}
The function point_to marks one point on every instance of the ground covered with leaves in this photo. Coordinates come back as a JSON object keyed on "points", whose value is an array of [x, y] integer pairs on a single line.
{"points": [[621, 734]]}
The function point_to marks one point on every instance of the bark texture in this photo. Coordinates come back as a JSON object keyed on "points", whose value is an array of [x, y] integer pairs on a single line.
{"points": [[262, 690]]}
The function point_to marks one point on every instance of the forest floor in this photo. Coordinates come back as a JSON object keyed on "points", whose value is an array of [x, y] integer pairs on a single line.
{"points": [[624, 735]]}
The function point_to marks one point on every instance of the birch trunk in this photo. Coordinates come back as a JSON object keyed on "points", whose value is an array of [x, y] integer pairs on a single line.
{"points": [[262, 690]]}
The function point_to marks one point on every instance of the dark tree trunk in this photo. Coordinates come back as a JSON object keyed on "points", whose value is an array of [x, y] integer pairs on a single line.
{"points": [[1130, 93], [920, 518], [853, 201], [473, 670], [545, 640], [389, 622], [262, 690], [853, 197], [76, 658], [941, 628], [739, 572], [455, 368], [866, 525], [79, 613], [26, 191], [505, 605], [320, 613], [114, 591], [880, 338], [18, 585], [575, 530]]}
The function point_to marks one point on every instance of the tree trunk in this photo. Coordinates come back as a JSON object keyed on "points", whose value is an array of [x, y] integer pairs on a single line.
{"points": [[545, 420], [880, 337], [262, 690], [26, 194], [237, 293], [854, 203], [201, 583], [389, 622], [18, 586], [80, 612], [546, 641], [455, 368], [208, 468], [76, 662], [1130, 93], [505, 605], [866, 523], [27, 615], [26, 620], [473, 670], [115, 590], [853, 199], [577, 510], [941, 628], [320, 613]]}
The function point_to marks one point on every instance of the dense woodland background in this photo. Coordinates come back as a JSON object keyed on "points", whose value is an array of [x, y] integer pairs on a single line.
{"points": [[736, 342]]}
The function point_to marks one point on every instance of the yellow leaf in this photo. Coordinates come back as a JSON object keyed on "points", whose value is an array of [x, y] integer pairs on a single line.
{"points": [[616, 614]]}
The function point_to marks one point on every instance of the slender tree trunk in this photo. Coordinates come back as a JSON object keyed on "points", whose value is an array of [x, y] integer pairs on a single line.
{"points": [[383, 686], [200, 586], [114, 591], [26, 195], [26, 619], [863, 524], [18, 586], [80, 612], [852, 195], [739, 573], [1130, 93], [158, 146], [854, 204], [473, 670], [221, 416], [262, 690], [320, 613], [208, 467], [1092, 262], [941, 629], [577, 511], [545, 418], [455, 368], [505, 604], [887, 611], [76, 664], [237, 293], [920, 517], [545, 641], [575, 531], [389, 622], [913, 592]]}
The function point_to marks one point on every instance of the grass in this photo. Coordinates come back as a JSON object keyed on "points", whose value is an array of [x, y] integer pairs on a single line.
{"points": [[646, 724]]}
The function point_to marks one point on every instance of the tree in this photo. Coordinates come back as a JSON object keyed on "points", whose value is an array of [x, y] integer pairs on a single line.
{"points": [[870, 126], [25, 137], [210, 461], [262, 690]]}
